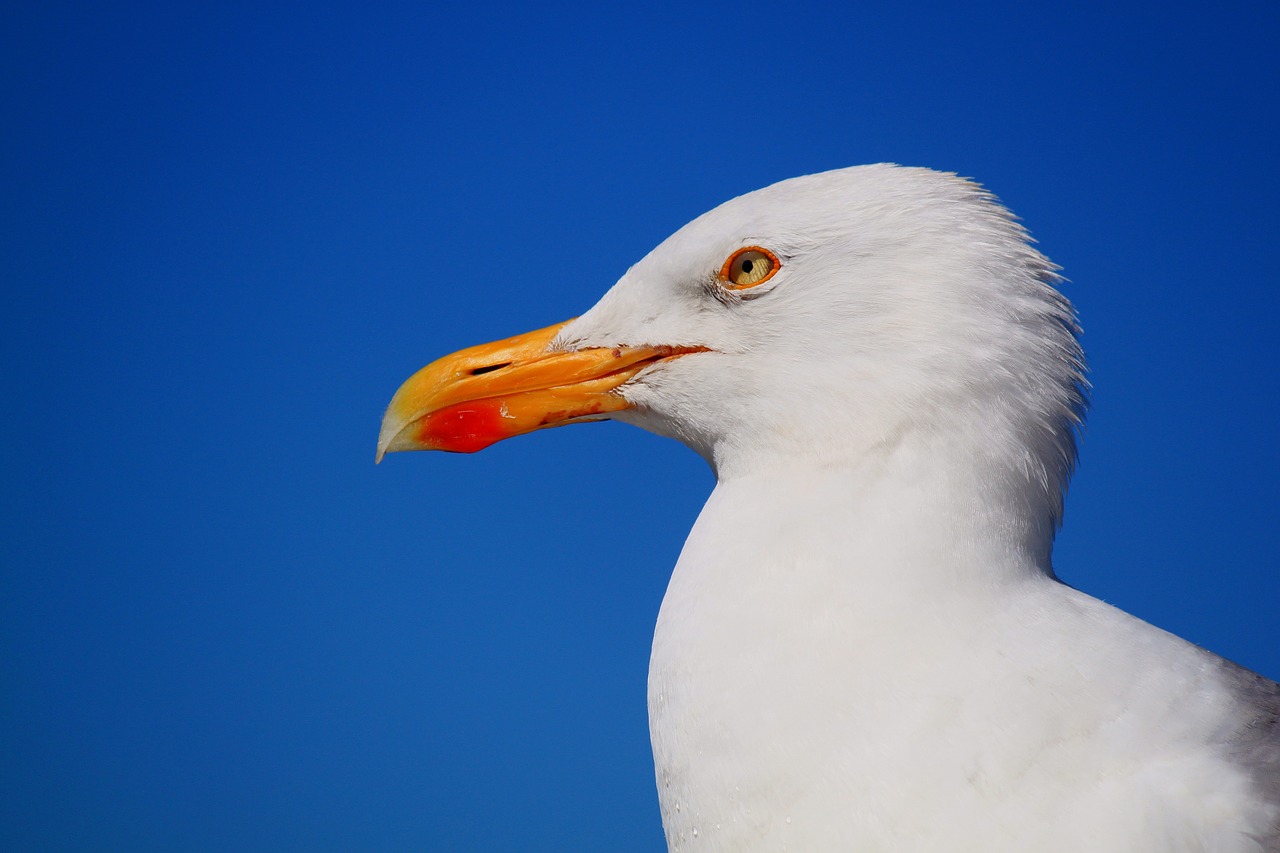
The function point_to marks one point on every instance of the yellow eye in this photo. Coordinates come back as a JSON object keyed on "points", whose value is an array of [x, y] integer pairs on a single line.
{"points": [[749, 267]]}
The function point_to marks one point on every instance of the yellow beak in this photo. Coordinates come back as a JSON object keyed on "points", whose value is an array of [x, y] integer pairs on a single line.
{"points": [[467, 401]]}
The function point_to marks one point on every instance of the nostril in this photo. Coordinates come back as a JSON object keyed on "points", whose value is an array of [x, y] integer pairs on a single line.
{"points": [[480, 371]]}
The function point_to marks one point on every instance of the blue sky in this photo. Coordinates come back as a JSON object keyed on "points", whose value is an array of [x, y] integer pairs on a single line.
{"points": [[230, 231]]}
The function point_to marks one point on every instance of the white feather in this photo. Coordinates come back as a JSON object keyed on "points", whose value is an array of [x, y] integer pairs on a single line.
{"points": [[863, 645]]}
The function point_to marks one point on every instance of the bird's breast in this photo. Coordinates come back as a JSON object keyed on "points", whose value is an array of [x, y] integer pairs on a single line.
{"points": [[801, 699]]}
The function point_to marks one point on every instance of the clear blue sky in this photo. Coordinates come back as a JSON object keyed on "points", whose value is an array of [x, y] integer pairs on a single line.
{"points": [[230, 231]]}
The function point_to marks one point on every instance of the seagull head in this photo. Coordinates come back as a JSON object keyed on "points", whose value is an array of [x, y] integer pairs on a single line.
{"points": [[820, 320]]}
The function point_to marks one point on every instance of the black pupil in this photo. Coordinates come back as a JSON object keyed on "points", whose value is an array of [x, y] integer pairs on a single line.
{"points": [[747, 265]]}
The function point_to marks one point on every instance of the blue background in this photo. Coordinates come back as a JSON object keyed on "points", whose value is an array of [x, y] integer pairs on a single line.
{"points": [[230, 231]]}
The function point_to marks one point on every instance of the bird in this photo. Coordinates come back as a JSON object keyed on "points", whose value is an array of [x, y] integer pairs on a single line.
{"points": [[863, 645]]}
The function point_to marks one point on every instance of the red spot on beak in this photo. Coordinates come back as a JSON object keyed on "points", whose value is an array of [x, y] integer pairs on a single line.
{"points": [[465, 427]]}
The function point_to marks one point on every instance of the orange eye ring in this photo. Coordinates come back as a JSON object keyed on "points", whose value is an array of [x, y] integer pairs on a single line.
{"points": [[748, 267]]}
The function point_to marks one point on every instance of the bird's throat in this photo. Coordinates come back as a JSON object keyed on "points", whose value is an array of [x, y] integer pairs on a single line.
{"points": [[787, 592]]}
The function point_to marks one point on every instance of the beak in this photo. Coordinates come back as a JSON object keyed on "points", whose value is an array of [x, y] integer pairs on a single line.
{"points": [[467, 401]]}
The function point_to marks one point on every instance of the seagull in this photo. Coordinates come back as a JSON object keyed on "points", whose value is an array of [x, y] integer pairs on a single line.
{"points": [[863, 645]]}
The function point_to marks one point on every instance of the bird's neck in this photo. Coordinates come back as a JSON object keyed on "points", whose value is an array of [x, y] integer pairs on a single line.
{"points": [[804, 591], [919, 515]]}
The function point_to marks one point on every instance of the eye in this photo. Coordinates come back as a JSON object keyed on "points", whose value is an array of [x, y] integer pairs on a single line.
{"points": [[749, 267]]}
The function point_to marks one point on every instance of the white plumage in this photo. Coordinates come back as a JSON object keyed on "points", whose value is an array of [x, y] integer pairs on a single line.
{"points": [[863, 646]]}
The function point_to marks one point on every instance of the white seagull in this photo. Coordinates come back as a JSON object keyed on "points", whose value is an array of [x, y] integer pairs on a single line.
{"points": [[863, 646]]}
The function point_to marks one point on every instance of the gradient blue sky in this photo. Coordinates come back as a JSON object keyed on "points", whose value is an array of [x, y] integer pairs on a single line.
{"points": [[230, 231]]}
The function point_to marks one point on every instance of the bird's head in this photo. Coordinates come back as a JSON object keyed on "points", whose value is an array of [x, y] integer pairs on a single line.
{"points": [[818, 318]]}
